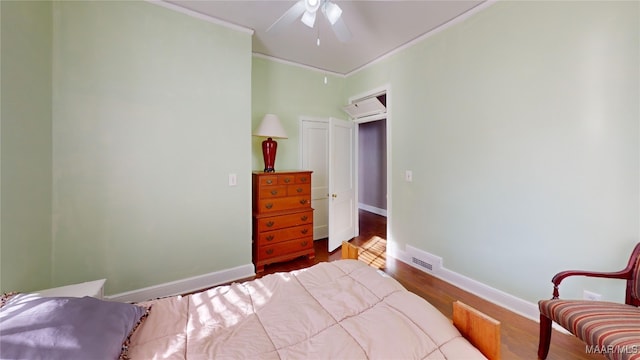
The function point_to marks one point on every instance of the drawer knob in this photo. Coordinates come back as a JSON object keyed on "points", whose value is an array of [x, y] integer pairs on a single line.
{"points": [[303, 179], [274, 192], [270, 223], [299, 190], [303, 201], [269, 181], [270, 237], [287, 180], [304, 218], [304, 243], [304, 231], [268, 205], [269, 251]]}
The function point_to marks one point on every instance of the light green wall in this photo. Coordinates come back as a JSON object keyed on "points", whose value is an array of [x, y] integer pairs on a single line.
{"points": [[151, 113], [143, 100], [25, 223], [290, 92], [521, 126]]}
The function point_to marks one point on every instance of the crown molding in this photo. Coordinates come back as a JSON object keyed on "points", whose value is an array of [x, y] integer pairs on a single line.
{"points": [[293, 63], [201, 16], [456, 20]]}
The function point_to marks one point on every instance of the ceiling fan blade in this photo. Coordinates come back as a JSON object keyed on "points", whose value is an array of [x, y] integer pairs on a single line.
{"points": [[309, 18], [288, 17], [341, 30], [331, 11]]}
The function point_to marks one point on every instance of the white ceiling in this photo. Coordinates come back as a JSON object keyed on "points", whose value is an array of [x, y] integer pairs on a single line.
{"points": [[377, 28]]}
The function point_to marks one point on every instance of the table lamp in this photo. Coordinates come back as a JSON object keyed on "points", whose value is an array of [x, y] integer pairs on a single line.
{"points": [[270, 128]]}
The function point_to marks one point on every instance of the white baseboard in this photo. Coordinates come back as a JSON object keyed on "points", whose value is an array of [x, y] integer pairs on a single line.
{"points": [[499, 297], [185, 285], [320, 232], [373, 209], [512, 303]]}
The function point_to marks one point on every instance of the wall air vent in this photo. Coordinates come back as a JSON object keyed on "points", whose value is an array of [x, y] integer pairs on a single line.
{"points": [[365, 107], [422, 263], [424, 260]]}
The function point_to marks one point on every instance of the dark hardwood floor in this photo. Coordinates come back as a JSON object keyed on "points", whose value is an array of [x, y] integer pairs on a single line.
{"points": [[519, 334]]}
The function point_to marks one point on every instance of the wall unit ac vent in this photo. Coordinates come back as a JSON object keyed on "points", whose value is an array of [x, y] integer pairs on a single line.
{"points": [[366, 107], [424, 260]]}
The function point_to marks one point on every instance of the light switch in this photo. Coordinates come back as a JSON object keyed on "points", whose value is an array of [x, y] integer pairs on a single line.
{"points": [[233, 180], [408, 176]]}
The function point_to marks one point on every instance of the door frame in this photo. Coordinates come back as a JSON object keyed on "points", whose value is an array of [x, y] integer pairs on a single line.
{"points": [[386, 88]]}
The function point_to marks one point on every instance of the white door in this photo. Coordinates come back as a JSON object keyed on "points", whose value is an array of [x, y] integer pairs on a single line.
{"points": [[342, 209], [315, 157]]}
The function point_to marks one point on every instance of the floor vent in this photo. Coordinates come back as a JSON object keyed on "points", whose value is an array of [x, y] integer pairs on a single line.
{"points": [[424, 260]]}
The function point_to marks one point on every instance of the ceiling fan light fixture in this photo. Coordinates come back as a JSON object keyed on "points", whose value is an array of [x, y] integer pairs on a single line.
{"points": [[333, 12], [311, 5], [309, 18]]}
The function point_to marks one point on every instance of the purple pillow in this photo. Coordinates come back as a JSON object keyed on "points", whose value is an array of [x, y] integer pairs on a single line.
{"points": [[32, 327]]}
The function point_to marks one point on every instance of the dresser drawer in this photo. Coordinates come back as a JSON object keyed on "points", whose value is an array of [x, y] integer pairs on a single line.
{"points": [[268, 180], [286, 179], [303, 178], [276, 236], [284, 248], [284, 221], [286, 203], [299, 189], [270, 192]]}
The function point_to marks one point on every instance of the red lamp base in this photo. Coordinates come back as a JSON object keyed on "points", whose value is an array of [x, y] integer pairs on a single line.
{"points": [[269, 147]]}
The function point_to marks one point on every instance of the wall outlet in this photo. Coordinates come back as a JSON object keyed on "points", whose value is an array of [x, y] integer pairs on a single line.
{"points": [[588, 295], [233, 180], [408, 176]]}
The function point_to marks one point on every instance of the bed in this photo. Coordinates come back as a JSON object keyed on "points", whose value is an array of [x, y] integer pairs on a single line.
{"points": [[336, 310]]}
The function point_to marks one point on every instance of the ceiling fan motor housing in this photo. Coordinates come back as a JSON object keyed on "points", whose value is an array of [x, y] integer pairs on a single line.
{"points": [[312, 6]]}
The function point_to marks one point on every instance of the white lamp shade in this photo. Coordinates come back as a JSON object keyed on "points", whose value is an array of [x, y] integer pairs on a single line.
{"points": [[270, 127]]}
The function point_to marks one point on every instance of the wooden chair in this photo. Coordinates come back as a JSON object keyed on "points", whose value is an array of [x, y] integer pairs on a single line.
{"points": [[591, 321]]}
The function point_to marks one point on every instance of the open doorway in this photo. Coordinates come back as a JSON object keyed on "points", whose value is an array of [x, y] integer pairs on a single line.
{"points": [[372, 174], [372, 166], [370, 218], [372, 192]]}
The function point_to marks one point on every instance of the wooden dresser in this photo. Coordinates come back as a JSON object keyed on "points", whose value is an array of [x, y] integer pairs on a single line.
{"points": [[282, 217]]}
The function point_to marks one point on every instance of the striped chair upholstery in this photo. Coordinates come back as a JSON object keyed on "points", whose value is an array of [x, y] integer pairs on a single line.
{"points": [[609, 328], [612, 329]]}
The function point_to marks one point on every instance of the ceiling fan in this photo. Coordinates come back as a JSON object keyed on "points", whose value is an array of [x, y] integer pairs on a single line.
{"points": [[308, 9]]}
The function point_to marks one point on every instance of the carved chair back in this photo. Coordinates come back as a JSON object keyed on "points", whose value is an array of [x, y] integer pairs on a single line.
{"points": [[633, 284]]}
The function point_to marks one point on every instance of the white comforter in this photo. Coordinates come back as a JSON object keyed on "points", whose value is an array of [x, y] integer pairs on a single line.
{"points": [[337, 310]]}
